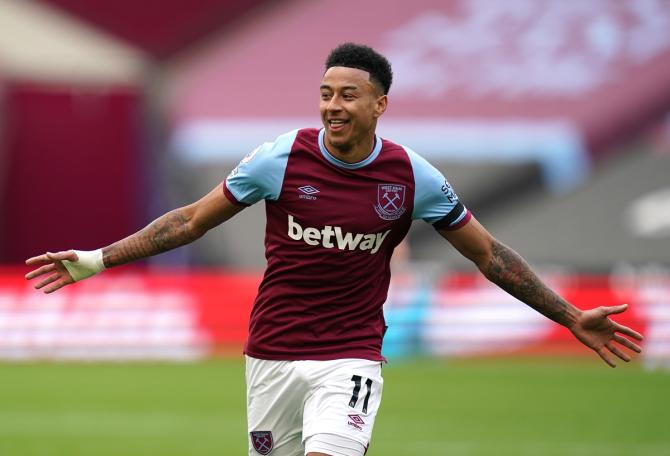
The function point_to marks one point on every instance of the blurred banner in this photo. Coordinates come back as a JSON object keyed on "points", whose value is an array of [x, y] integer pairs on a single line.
{"points": [[182, 316], [73, 170]]}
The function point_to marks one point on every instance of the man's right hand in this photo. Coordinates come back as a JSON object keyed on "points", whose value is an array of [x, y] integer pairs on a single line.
{"points": [[57, 276]]}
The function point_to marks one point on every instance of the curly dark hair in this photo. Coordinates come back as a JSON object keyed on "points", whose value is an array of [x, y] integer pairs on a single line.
{"points": [[352, 55]]}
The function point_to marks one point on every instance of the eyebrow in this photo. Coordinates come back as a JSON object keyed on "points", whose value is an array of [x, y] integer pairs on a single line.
{"points": [[350, 87]]}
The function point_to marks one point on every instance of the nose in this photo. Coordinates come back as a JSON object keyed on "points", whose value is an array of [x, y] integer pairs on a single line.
{"points": [[334, 104]]}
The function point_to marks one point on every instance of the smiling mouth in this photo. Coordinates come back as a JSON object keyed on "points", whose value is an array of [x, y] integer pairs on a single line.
{"points": [[337, 124]]}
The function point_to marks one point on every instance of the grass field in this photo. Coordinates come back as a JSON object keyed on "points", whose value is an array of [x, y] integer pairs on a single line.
{"points": [[473, 407]]}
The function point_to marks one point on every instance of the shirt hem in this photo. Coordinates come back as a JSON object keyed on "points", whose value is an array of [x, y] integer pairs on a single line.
{"points": [[370, 356]]}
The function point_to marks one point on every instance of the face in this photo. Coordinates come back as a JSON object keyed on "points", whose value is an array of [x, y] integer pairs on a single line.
{"points": [[350, 106]]}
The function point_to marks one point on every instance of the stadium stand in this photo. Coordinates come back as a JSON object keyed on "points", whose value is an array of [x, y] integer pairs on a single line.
{"points": [[540, 125]]}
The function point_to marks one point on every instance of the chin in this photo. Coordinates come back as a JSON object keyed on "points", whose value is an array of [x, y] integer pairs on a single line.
{"points": [[340, 145], [337, 141]]}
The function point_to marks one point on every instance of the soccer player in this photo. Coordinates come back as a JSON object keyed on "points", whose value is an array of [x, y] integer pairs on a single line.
{"points": [[338, 201]]}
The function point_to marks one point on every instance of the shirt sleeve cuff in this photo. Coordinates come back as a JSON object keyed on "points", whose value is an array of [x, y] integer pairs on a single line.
{"points": [[454, 219], [231, 197]]}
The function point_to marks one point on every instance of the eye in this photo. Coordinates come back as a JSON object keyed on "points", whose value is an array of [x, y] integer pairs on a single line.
{"points": [[348, 96], [325, 96]]}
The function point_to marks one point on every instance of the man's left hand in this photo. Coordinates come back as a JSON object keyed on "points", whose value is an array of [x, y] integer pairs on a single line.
{"points": [[594, 329]]}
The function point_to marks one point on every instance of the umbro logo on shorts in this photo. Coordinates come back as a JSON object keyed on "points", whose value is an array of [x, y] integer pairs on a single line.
{"points": [[332, 236], [356, 421], [262, 441]]}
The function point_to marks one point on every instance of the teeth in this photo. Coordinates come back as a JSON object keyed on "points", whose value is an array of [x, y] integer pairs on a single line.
{"points": [[336, 122]]}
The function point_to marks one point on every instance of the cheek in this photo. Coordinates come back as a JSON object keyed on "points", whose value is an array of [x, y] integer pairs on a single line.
{"points": [[366, 114]]}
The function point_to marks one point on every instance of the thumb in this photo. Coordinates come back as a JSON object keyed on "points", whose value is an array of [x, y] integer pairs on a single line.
{"points": [[615, 309]]}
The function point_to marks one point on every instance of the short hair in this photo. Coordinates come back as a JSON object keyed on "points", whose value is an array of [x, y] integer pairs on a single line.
{"points": [[352, 55]]}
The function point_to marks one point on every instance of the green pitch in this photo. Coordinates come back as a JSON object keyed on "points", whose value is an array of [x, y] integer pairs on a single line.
{"points": [[466, 408]]}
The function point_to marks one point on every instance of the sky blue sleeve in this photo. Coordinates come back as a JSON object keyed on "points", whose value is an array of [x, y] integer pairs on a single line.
{"points": [[434, 199], [261, 173]]}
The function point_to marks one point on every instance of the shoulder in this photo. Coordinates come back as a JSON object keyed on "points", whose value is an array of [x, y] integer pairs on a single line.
{"points": [[269, 153], [420, 167], [419, 163], [260, 173], [390, 147], [309, 134], [283, 143]]}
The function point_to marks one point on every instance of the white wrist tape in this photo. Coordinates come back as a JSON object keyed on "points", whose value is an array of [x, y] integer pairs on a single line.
{"points": [[88, 264]]}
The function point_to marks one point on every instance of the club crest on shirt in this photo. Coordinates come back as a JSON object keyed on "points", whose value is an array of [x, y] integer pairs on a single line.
{"points": [[262, 441], [390, 201]]}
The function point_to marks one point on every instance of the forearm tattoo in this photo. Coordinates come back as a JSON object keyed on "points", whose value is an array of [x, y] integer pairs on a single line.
{"points": [[163, 234], [510, 272]]}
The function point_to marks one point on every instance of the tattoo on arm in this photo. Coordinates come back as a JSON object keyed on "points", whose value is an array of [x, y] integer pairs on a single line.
{"points": [[510, 272], [165, 233]]}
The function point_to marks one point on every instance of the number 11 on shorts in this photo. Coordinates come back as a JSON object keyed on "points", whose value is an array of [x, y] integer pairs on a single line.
{"points": [[357, 379]]}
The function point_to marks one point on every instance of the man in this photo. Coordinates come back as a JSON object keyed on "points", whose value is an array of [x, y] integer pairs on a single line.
{"points": [[338, 201]]}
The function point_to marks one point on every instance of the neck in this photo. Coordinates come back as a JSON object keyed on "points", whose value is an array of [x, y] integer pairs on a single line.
{"points": [[354, 152]]}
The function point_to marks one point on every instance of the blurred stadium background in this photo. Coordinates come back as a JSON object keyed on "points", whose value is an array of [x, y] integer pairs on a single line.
{"points": [[550, 118]]}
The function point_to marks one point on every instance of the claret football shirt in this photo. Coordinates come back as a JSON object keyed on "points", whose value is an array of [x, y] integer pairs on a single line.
{"points": [[331, 230]]}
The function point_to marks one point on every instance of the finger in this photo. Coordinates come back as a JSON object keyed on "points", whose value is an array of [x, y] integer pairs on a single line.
{"points": [[618, 352], [615, 309], [47, 281], [43, 270], [65, 255], [39, 259], [627, 343], [603, 354], [627, 331], [56, 286]]}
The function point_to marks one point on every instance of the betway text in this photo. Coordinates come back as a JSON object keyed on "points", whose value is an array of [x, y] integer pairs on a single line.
{"points": [[332, 236]]}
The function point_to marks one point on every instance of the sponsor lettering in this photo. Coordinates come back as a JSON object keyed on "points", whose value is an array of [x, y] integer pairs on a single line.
{"points": [[333, 237], [448, 191], [247, 158]]}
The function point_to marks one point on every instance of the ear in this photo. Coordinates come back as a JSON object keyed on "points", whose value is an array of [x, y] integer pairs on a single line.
{"points": [[380, 105]]}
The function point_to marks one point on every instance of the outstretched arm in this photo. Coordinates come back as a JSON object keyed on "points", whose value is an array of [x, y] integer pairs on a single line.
{"points": [[507, 269], [176, 228]]}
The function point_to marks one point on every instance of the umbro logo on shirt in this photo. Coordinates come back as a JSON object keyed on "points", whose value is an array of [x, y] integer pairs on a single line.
{"points": [[308, 192]]}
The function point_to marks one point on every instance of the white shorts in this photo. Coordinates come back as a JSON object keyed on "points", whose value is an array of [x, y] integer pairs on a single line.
{"points": [[315, 405]]}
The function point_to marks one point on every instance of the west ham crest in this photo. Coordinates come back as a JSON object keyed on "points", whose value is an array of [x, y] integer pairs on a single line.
{"points": [[390, 201], [262, 441]]}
